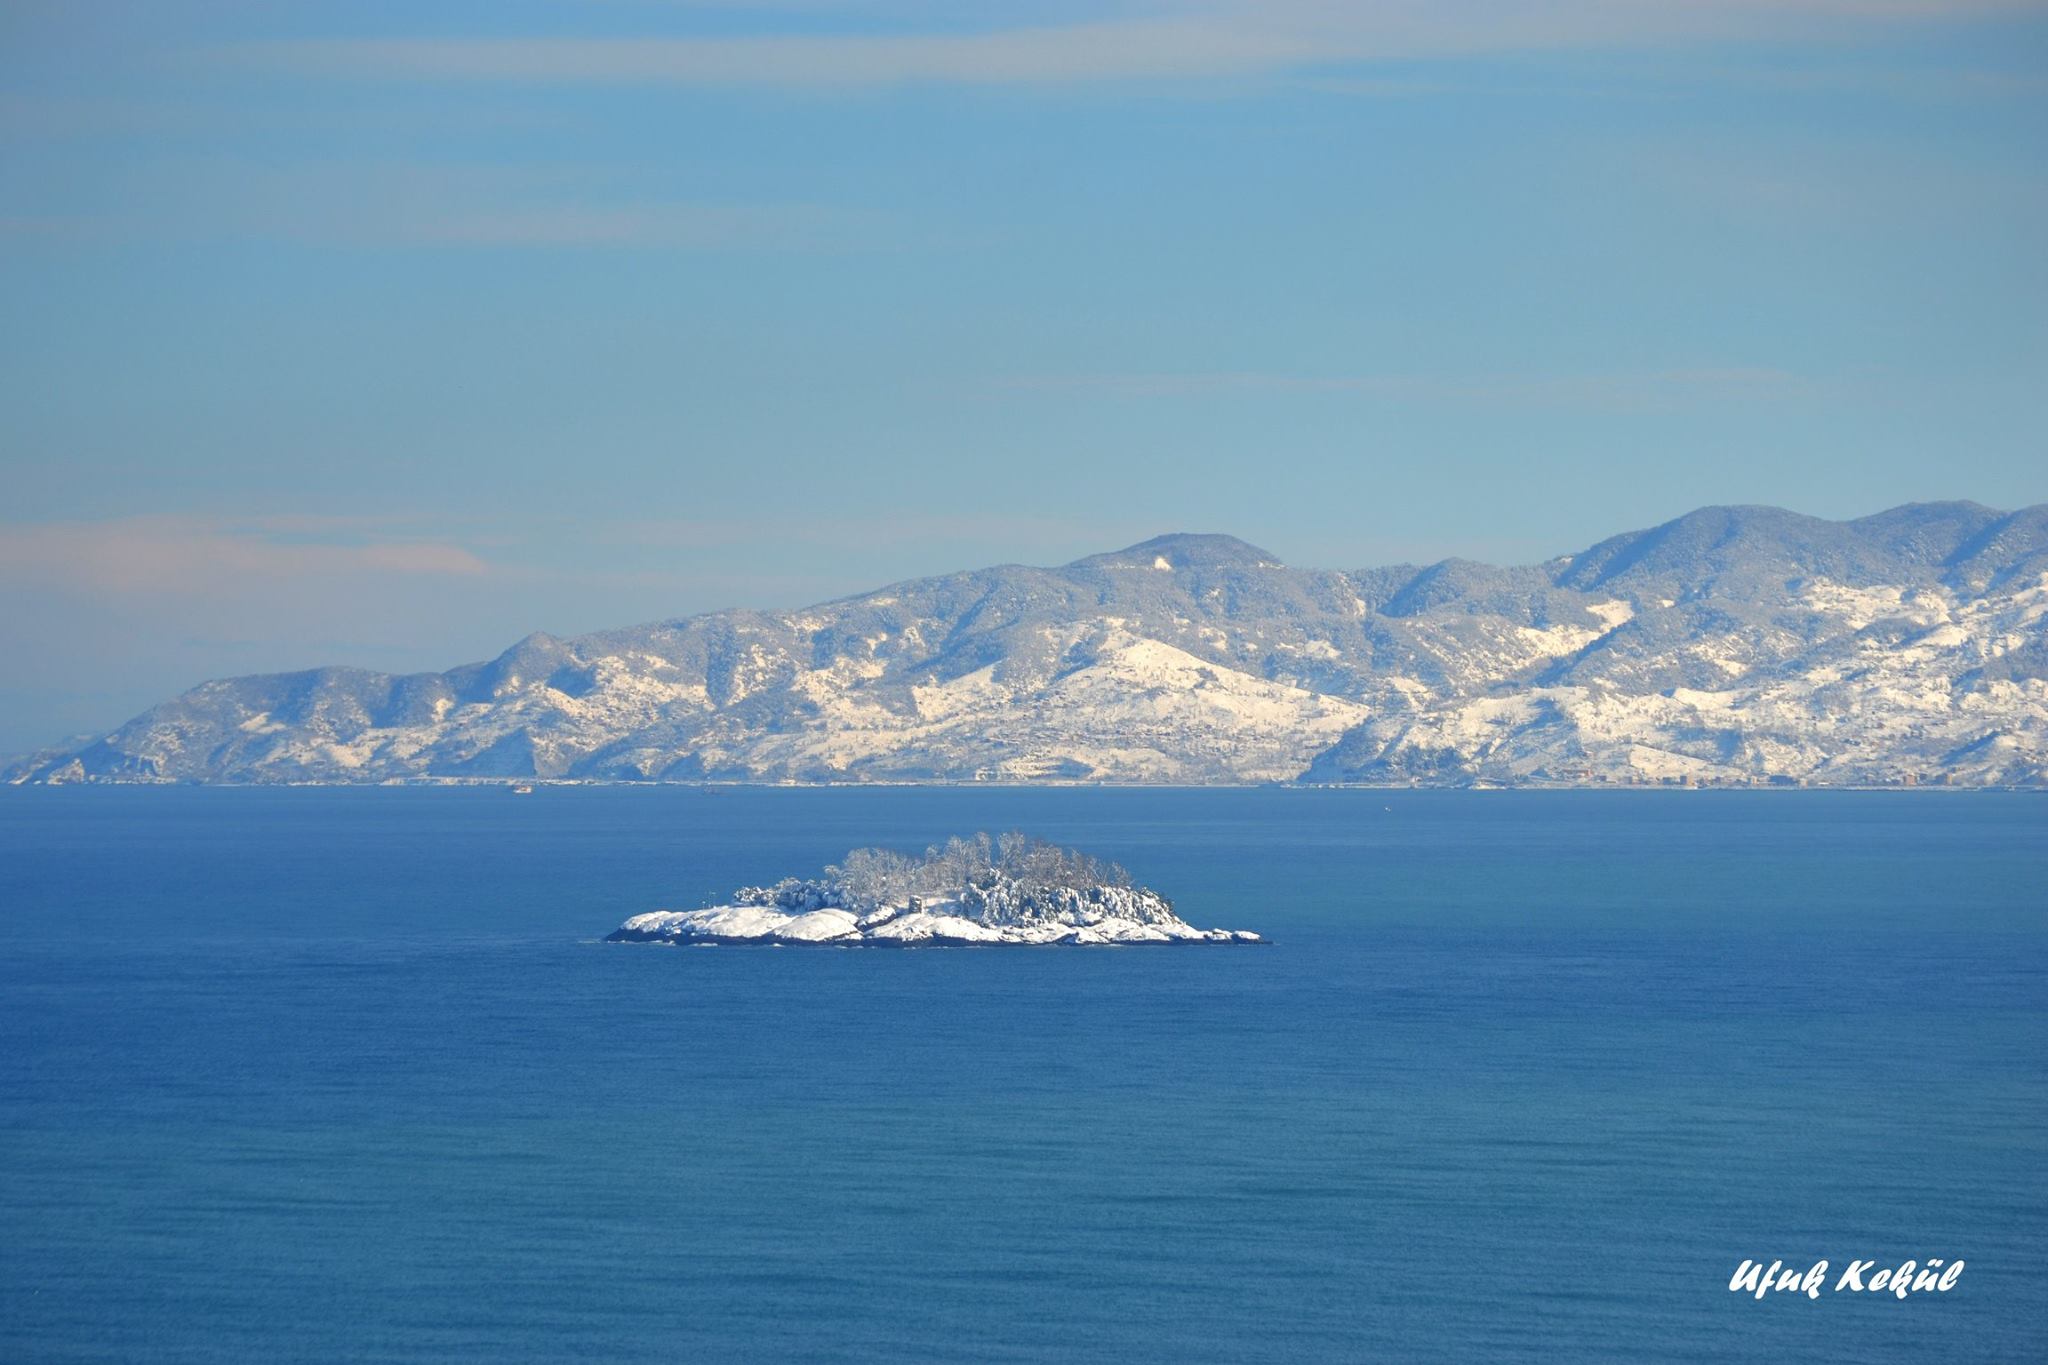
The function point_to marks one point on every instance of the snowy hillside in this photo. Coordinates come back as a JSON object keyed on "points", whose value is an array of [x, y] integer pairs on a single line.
{"points": [[1733, 644]]}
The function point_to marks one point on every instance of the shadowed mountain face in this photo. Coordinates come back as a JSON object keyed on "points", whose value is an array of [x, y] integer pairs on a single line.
{"points": [[1735, 643]]}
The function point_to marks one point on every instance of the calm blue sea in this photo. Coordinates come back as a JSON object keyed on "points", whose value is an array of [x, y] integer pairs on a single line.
{"points": [[344, 1075]]}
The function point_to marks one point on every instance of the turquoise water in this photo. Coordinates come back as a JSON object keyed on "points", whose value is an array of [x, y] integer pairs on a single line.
{"points": [[327, 1075]]}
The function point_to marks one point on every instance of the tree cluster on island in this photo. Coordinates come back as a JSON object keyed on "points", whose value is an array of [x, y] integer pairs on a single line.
{"points": [[981, 890], [869, 878]]}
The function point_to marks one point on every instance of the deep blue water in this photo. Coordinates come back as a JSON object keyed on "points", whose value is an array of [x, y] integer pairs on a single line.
{"points": [[343, 1075]]}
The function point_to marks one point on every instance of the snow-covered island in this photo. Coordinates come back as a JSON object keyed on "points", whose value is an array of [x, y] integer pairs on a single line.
{"points": [[982, 890]]}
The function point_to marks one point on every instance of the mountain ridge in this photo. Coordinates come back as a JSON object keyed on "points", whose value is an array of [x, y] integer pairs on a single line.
{"points": [[1733, 643]]}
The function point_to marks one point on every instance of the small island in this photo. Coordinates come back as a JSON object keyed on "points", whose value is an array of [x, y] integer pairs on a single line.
{"points": [[1011, 889]]}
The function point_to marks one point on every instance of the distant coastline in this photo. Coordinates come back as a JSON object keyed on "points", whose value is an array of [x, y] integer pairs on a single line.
{"points": [[677, 784], [1734, 646]]}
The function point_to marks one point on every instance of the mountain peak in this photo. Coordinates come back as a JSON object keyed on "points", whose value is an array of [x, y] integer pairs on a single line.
{"points": [[1190, 550], [1770, 543]]}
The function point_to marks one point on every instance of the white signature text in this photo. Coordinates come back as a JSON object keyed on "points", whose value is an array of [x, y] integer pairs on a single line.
{"points": [[1860, 1277]]}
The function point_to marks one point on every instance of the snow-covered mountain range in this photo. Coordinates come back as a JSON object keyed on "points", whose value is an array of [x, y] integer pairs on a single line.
{"points": [[1734, 644]]}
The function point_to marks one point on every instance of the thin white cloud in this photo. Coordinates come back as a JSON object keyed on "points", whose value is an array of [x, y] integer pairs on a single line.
{"points": [[374, 204], [1902, 185], [180, 556], [1619, 391], [939, 529], [1193, 43], [281, 562], [683, 226]]}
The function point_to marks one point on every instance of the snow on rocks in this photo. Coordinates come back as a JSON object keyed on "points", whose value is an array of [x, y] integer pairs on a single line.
{"points": [[989, 906], [904, 928]]}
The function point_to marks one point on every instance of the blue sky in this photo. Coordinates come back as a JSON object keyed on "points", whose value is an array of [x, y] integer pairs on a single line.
{"points": [[385, 333]]}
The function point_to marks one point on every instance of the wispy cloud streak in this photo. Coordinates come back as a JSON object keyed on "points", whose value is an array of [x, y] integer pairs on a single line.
{"points": [[376, 204], [172, 555], [1216, 41], [1613, 391]]}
